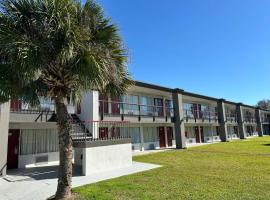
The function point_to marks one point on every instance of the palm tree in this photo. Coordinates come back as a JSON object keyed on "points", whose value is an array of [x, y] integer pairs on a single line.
{"points": [[51, 48]]}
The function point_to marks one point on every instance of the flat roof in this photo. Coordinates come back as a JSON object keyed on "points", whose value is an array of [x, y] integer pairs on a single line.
{"points": [[167, 89]]}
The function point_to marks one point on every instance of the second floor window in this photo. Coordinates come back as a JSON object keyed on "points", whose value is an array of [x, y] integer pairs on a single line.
{"points": [[130, 104]]}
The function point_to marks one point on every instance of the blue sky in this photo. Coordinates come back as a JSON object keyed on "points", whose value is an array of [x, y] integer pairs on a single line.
{"points": [[219, 48]]}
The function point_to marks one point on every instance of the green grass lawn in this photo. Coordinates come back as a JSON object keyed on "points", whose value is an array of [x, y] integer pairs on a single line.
{"points": [[232, 170]]}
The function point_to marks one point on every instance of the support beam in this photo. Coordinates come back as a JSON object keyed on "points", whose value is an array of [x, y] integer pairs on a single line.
{"points": [[166, 136], [179, 119], [142, 139], [90, 112], [200, 135], [240, 118], [222, 121], [4, 133], [259, 122]]}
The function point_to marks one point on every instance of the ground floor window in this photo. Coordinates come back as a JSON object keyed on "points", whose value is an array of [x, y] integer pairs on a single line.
{"points": [[197, 134], [209, 131], [150, 134], [131, 132], [251, 130], [34, 141], [190, 132], [233, 132]]}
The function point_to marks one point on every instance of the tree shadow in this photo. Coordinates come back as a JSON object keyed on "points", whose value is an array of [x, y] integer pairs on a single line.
{"points": [[37, 173]]}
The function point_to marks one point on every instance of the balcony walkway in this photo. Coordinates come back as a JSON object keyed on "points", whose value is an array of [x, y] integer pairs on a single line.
{"points": [[41, 182]]}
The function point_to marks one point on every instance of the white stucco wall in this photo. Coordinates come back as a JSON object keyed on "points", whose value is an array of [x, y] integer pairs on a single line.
{"points": [[4, 123], [103, 158], [151, 145], [26, 161], [90, 111]]}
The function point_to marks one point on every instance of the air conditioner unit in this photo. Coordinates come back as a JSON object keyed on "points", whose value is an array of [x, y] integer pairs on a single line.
{"points": [[42, 159]]}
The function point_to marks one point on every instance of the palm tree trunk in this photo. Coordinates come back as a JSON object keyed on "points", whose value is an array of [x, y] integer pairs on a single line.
{"points": [[65, 151]]}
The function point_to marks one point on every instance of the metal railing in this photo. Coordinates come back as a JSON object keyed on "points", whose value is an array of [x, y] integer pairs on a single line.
{"points": [[200, 114], [231, 117], [43, 109], [17, 106], [265, 119], [132, 109], [83, 131], [249, 119]]}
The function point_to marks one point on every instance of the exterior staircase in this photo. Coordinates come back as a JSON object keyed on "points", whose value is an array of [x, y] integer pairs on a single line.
{"points": [[79, 130]]}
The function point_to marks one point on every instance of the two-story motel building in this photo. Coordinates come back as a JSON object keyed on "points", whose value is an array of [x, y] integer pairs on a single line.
{"points": [[154, 117]]}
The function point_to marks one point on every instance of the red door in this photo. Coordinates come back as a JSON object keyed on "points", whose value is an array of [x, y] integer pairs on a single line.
{"points": [[15, 105], [115, 106], [162, 142], [103, 132], [13, 148], [197, 134], [169, 136], [202, 135]]}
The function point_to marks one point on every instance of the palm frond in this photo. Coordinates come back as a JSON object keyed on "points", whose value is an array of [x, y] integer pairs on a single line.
{"points": [[63, 45]]}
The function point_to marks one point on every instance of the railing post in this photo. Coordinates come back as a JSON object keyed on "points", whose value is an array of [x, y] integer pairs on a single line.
{"points": [[85, 135], [102, 110], [139, 110], [153, 110], [163, 107]]}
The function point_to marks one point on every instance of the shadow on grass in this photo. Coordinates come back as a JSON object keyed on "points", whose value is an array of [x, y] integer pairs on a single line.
{"points": [[266, 144]]}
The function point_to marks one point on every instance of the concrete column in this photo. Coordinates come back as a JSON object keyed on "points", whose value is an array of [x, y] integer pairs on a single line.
{"points": [[240, 118], [179, 119], [200, 135], [90, 112], [222, 121], [259, 123], [4, 125], [212, 132], [166, 138], [95, 114], [141, 137], [164, 107], [109, 105]]}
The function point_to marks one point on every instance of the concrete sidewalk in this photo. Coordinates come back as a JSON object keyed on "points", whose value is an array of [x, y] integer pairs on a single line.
{"points": [[40, 183]]}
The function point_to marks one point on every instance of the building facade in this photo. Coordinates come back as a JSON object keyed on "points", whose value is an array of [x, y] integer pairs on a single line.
{"points": [[154, 117]]}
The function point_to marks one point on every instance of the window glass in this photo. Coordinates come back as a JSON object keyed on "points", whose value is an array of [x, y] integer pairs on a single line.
{"points": [[131, 132], [146, 105], [33, 141], [130, 104], [150, 134], [189, 110], [189, 132], [169, 108]]}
